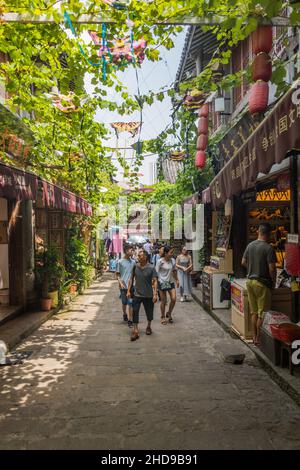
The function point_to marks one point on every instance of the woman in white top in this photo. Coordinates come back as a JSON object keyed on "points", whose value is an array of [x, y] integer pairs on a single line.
{"points": [[167, 277]]}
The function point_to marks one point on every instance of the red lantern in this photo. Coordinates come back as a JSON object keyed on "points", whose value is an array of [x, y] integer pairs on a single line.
{"points": [[262, 39], [262, 67], [203, 125], [200, 159], [202, 142], [259, 96], [204, 110]]}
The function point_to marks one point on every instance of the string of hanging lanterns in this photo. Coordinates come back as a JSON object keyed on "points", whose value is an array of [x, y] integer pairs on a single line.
{"points": [[262, 39], [202, 141]]}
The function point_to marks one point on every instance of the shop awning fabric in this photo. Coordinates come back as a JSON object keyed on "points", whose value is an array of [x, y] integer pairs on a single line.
{"points": [[21, 185], [275, 136]]}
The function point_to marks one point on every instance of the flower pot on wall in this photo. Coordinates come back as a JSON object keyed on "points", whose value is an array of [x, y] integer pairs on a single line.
{"points": [[262, 67], [203, 125], [200, 159], [259, 97], [202, 142], [262, 39]]}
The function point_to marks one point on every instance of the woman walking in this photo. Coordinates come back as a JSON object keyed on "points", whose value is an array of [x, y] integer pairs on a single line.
{"points": [[167, 277], [184, 265]]}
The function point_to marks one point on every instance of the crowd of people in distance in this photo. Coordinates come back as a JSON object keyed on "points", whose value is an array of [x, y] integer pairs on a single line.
{"points": [[149, 273]]}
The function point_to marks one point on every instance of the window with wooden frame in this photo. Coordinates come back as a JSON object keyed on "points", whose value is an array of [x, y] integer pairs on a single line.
{"points": [[240, 61]]}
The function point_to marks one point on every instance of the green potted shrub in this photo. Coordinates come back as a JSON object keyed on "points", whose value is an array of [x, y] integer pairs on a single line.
{"points": [[77, 262], [51, 274]]}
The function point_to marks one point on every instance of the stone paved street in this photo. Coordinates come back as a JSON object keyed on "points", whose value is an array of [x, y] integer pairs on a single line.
{"points": [[86, 386]]}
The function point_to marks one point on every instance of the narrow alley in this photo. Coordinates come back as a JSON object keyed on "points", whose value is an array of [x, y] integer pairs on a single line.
{"points": [[86, 386]]}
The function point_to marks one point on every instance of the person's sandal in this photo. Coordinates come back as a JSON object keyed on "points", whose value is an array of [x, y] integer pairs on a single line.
{"points": [[148, 330], [170, 320], [163, 321], [134, 336]]}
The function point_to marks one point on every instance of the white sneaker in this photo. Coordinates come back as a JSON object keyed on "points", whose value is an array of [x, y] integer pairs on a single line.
{"points": [[181, 299]]}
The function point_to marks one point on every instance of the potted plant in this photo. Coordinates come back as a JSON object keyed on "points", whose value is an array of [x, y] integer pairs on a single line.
{"points": [[77, 262], [50, 273]]}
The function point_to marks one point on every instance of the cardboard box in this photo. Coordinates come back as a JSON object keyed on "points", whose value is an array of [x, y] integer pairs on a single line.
{"points": [[241, 323]]}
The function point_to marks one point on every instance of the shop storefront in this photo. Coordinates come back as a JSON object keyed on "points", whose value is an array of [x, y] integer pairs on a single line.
{"points": [[33, 212], [259, 183]]}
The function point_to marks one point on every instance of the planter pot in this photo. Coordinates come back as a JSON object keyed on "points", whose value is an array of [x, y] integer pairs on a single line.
{"points": [[73, 288], [262, 39], [54, 297], [202, 142], [259, 97], [46, 305], [262, 67], [203, 126], [200, 159]]}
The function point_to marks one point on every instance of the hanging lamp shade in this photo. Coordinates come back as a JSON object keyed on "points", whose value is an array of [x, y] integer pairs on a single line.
{"points": [[262, 67], [202, 142], [200, 159], [203, 125], [204, 110], [262, 39], [259, 97]]}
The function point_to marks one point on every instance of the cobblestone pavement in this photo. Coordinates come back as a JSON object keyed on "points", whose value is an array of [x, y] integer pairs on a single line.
{"points": [[86, 386]]}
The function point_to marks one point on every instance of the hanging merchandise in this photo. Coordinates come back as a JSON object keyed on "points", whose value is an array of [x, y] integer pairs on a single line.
{"points": [[194, 99], [131, 127], [261, 69]]}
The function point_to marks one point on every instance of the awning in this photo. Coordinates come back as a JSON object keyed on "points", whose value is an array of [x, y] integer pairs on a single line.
{"points": [[276, 135], [21, 185], [17, 184]]}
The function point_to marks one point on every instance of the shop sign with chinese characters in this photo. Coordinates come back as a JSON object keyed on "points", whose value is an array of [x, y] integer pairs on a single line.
{"points": [[276, 135]]}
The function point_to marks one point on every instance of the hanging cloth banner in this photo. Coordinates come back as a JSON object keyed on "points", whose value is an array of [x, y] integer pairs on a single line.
{"points": [[131, 127]]}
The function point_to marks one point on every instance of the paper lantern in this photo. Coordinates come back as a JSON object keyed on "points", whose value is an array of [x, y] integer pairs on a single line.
{"points": [[203, 125], [202, 142], [259, 96], [262, 39], [200, 159], [204, 110], [262, 67]]}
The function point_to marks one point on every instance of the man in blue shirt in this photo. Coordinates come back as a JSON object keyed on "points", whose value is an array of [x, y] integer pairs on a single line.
{"points": [[124, 272]]}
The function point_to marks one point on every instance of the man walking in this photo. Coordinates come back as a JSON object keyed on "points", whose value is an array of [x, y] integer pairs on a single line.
{"points": [[124, 272], [260, 261], [145, 292]]}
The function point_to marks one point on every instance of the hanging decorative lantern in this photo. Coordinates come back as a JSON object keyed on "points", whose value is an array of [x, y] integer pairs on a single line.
{"points": [[200, 159], [262, 39], [202, 142], [204, 110], [203, 126], [262, 67], [259, 96]]}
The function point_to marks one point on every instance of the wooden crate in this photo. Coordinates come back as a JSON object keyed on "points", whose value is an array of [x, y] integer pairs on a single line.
{"points": [[241, 323]]}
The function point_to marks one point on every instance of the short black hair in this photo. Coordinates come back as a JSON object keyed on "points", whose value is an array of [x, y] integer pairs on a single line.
{"points": [[265, 228], [144, 251], [127, 247]]}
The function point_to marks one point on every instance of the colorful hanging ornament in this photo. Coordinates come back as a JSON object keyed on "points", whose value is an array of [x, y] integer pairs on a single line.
{"points": [[200, 159], [262, 39], [117, 4], [177, 155], [202, 125], [204, 110], [64, 103], [194, 99], [122, 49], [202, 141], [131, 127], [262, 67], [259, 95]]}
